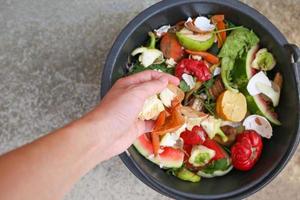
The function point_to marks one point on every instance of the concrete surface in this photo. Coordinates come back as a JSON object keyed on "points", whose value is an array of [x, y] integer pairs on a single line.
{"points": [[51, 57]]}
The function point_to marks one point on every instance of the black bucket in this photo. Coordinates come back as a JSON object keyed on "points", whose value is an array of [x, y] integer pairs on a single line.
{"points": [[277, 151]]}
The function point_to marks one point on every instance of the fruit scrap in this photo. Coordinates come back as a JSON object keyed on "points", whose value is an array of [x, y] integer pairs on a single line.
{"points": [[231, 106]]}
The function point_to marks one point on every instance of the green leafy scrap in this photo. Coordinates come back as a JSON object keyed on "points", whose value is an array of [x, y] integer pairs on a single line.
{"points": [[184, 86], [217, 165], [159, 67]]}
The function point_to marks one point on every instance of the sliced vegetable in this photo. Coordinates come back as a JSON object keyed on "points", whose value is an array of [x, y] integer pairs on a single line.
{"points": [[136, 68], [179, 94], [170, 47], [170, 63], [166, 96], [218, 20], [212, 126], [247, 150], [192, 67], [194, 137], [189, 93], [186, 175], [151, 108], [231, 133], [242, 73], [216, 168], [260, 77], [192, 122], [269, 92], [149, 55], [260, 83], [161, 119], [239, 41], [231, 106], [172, 122], [189, 80], [219, 151], [264, 60], [201, 155], [155, 143], [259, 124], [195, 42], [207, 56], [191, 113], [184, 86], [257, 105]]}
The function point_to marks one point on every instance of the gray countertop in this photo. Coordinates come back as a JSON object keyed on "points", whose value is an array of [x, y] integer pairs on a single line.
{"points": [[51, 58]]}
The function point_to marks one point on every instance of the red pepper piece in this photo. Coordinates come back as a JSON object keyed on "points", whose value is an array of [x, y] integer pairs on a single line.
{"points": [[193, 67], [187, 151], [190, 137], [247, 150], [220, 152], [201, 132], [194, 137]]}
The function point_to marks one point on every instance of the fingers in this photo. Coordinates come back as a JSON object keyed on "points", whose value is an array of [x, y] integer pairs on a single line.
{"points": [[145, 76], [149, 88]]}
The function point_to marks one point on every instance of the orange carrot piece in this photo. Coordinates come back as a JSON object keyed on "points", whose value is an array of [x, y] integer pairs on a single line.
{"points": [[222, 26], [173, 122], [155, 143], [160, 119], [218, 18], [207, 56]]}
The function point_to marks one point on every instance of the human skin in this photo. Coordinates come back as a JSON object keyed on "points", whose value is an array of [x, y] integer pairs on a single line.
{"points": [[48, 167]]}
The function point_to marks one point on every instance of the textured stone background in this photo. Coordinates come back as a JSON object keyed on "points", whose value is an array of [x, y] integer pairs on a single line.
{"points": [[51, 57]]}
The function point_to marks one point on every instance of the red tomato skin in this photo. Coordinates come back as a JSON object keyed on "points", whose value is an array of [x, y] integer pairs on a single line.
{"points": [[194, 137], [193, 67], [220, 152], [247, 150]]}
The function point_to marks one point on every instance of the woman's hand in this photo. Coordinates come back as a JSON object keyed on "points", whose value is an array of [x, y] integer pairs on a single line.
{"points": [[48, 167], [116, 117]]}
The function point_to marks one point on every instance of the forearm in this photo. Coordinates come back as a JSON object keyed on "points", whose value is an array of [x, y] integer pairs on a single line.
{"points": [[48, 167]]}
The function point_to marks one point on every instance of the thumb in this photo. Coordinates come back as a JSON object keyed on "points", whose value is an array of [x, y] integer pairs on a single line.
{"points": [[144, 127]]}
